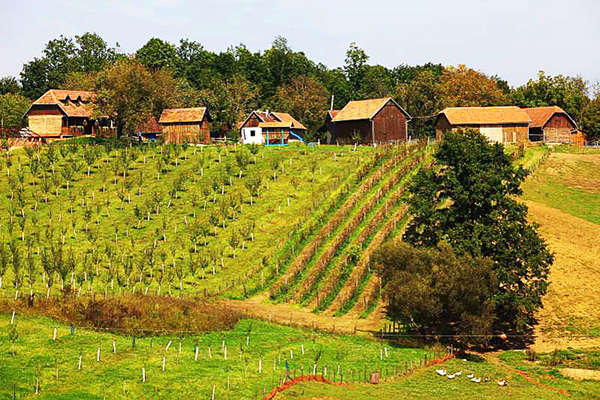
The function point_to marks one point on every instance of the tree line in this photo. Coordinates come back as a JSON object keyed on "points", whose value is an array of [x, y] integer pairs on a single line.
{"points": [[235, 81]]}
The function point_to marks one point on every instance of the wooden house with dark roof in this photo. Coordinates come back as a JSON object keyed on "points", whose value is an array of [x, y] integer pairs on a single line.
{"points": [[370, 121], [550, 124], [271, 128], [60, 113], [185, 124], [505, 124]]}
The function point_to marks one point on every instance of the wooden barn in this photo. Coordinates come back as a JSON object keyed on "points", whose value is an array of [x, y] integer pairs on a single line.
{"points": [[185, 124], [370, 121], [506, 124], [550, 125], [64, 113], [271, 128]]}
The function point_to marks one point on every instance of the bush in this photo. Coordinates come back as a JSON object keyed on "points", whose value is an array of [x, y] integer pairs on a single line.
{"points": [[434, 292]]}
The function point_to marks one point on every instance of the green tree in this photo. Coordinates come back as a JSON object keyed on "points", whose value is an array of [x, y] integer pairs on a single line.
{"points": [[569, 93], [157, 54], [355, 67], [12, 109], [130, 94], [9, 84], [468, 201], [435, 292], [305, 99]]}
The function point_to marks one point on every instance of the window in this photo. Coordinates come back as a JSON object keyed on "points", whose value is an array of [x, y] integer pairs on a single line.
{"points": [[252, 132]]}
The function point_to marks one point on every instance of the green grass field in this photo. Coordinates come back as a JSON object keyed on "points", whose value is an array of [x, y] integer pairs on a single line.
{"points": [[37, 357], [569, 182]]}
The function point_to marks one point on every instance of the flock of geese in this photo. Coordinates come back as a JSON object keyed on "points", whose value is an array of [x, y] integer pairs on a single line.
{"points": [[442, 372]]}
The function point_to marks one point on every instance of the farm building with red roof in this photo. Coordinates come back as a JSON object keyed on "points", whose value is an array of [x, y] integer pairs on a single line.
{"points": [[505, 124], [550, 124], [59, 113]]}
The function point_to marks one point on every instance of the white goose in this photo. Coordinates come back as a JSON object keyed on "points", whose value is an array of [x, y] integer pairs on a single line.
{"points": [[502, 383], [476, 380], [470, 376], [441, 372]]}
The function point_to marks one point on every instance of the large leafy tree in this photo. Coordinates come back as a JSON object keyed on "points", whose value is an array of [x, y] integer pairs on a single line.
{"points": [[421, 100], [305, 99], [468, 200], [464, 87], [229, 102], [12, 109], [436, 292], [130, 94], [62, 56], [590, 120], [355, 67], [569, 93], [157, 54], [9, 84]]}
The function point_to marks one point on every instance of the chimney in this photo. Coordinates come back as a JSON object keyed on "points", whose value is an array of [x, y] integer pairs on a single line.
{"points": [[267, 113]]}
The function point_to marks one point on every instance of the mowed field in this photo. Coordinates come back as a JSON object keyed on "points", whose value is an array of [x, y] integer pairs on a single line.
{"points": [[563, 196]]}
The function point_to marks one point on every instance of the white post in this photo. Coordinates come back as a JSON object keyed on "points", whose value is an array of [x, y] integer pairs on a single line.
{"points": [[196, 354], [54, 335], [98, 356], [12, 319], [225, 352], [143, 374], [168, 345], [79, 364], [163, 363], [209, 352], [259, 366], [213, 393], [114, 347], [302, 347], [291, 354]]}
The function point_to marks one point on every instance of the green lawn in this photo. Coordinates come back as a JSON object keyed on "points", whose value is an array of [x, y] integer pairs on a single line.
{"points": [[427, 385], [119, 375]]}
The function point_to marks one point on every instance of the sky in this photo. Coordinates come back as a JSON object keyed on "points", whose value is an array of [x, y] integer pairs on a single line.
{"points": [[513, 39]]}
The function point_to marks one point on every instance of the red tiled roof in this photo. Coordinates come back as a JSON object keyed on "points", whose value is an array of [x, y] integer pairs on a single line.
{"points": [[74, 103], [173, 115], [541, 115], [150, 126], [485, 115]]}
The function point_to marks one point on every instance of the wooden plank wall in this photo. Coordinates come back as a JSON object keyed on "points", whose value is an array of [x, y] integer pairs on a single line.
{"points": [[389, 124]]}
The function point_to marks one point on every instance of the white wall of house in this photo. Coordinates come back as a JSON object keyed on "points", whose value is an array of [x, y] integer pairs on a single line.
{"points": [[252, 135], [492, 132]]}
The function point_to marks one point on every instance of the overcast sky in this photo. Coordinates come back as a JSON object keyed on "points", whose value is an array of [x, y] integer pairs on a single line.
{"points": [[511, 38]]}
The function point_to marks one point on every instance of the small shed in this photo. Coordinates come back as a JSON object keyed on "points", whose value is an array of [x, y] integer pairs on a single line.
{"points": [[271, 128], [504, 124], [370, 121], [185, 124], [65, 113], [550, 125]]}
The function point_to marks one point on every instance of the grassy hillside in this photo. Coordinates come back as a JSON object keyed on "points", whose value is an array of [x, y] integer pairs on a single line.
{"points": [[136, 219], [542, 382], [568, 182]]}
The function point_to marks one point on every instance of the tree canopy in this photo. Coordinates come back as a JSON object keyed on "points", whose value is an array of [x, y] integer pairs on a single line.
{"points": [[468, 201]]}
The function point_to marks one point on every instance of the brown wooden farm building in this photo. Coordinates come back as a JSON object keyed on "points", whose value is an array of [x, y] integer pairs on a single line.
{"points": [[370, 121], [185, 124], [551, 125], [270, 127], [329, 125], [506, 124], [59, 113]]}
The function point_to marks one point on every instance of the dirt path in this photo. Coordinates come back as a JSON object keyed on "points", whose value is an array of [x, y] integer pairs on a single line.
{"points": [[290, 314], [571, 315]]}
